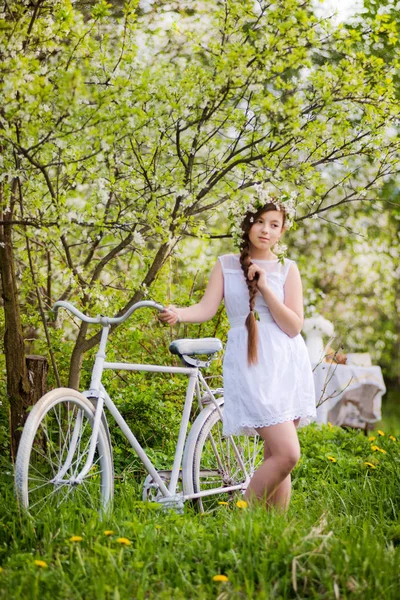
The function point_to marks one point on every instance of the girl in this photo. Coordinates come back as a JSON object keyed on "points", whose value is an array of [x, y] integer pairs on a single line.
{"points": [[268, 381]]}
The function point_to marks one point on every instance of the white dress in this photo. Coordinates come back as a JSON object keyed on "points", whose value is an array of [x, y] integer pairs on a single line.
{"points": [[280, 387]]}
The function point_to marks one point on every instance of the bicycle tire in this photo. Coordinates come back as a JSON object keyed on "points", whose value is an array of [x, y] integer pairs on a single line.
{"points": [[210, 460], [47, 438]]}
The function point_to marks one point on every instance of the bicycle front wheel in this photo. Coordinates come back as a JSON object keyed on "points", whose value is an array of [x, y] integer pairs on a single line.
{"points": [[52, 453], [212, 460]]}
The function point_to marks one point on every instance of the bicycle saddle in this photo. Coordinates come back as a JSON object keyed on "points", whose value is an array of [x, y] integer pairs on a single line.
{"points": [[192, 347]]}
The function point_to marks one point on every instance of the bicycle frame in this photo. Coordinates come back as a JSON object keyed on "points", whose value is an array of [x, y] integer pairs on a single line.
{"points": [[98, 392]]}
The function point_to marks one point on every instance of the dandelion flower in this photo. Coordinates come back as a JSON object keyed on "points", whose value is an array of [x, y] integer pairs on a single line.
{"points": [[40, 563], [378, 449], [223, 578], [381, 432], [124, 541], [331, 458], [370, 465], [241, 504], [76, 538], [224, 503], [391, 437], [371, 438], [109, 532]]}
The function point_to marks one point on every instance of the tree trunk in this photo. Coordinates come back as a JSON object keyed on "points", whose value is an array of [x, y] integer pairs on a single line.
{"points": [[37, 368], [77, 357], [18, 385]]}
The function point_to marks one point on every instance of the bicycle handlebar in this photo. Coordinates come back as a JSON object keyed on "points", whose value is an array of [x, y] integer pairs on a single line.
{"points": [[105, 320]]}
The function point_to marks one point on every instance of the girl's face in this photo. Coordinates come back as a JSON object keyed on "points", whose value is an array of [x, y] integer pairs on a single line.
{"points": [[266, 230]]}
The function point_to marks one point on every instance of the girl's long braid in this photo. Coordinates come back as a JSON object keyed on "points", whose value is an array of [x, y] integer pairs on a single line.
{"points": [[245, 262], [251, 323]]}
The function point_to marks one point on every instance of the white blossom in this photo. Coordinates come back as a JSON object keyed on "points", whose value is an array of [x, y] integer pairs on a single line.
{"points": [[138, 239]]}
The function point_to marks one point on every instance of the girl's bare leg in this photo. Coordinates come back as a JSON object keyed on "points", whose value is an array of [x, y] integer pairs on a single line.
{"points": [[283, 454], [281, 496]]}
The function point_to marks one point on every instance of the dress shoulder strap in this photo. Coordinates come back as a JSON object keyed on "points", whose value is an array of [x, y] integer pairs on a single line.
{"points": [[287, 264], [229, 263]]}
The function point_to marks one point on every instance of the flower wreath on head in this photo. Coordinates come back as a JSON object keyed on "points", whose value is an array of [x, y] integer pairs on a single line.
{"points": [[282, 201]]}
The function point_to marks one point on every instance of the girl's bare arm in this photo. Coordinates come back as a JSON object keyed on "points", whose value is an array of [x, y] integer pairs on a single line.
{"points": [[289, 314], [203, 310]]}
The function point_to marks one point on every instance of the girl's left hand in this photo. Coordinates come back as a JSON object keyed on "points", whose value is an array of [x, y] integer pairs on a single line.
{"points": [[252, 273]]}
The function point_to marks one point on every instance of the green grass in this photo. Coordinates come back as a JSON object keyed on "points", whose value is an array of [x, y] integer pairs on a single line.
{"points": [[390, 412], [340, 538]]}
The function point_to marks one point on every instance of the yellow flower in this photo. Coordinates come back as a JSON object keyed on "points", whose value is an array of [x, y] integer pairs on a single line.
{"points": [[124, 541], [109, 532], [332, 458], [1, 569], [378, 449], [330, 424], [220, 578], [241, 504], [157, 527], [371, 438], [76, 538], [370, 465], [381, 432], [224, 503], [391, 437], [40, 563]]}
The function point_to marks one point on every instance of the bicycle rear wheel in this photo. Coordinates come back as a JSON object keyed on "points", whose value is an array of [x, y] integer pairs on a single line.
{"points": [[53, 450], [212, 460]]}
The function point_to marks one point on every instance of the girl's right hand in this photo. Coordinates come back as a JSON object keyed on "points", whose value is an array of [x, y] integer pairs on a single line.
{"points": [[169, 315]]}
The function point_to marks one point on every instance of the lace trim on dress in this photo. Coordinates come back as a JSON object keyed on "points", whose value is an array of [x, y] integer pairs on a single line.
{"points": [[305, 419]]}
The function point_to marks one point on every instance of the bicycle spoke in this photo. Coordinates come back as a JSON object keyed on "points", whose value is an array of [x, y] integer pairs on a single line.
{"points": [[32, 490], [69, 491], [47, 444], [216, 453], [44, 498], [31, 478], [89, 495]]}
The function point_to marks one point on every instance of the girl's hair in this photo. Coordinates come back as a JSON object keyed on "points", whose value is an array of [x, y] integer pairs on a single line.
{"points": [[251, 323]]}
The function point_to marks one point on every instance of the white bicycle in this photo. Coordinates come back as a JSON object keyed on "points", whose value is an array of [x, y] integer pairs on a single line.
{"points": [[65, 451]]}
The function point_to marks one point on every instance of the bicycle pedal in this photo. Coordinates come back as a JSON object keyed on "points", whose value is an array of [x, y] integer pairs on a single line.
{"points": [[175, 503]]}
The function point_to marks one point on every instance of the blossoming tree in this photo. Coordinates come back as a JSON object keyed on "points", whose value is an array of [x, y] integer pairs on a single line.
{"points": [[120, 135]]}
